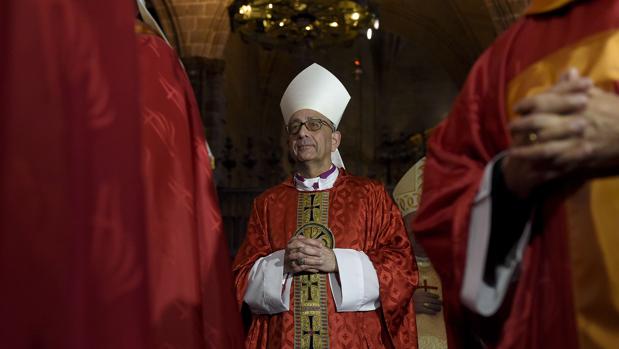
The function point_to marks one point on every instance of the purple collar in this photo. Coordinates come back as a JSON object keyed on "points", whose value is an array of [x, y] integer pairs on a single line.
{"points": [[323, 175], [324, 181]]}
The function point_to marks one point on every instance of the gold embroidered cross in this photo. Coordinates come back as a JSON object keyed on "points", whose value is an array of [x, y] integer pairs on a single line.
{"points": [[312, 207]]}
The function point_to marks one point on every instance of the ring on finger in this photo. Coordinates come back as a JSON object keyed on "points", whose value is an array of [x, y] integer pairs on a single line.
{"points": [[532, 137], [301, 261]]}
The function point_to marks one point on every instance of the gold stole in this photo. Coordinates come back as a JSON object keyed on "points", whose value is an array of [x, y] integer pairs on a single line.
{"points": [[311, 322]]}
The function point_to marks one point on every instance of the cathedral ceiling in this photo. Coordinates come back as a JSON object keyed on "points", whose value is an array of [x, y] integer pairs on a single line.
{"points": [[455, 32], [201, 26]]}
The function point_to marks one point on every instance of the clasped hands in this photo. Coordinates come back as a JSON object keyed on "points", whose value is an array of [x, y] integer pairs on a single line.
{"points": [[308, 255], [572, 129]]}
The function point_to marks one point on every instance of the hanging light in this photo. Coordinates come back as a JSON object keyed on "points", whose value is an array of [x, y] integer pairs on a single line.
{"points": [[292, 23], [245, 10], [368, 33]]}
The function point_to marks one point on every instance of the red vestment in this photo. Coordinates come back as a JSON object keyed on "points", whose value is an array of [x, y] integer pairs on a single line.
{"points": [[362, 217], [192, 295], [72, 259], [560, 299]]}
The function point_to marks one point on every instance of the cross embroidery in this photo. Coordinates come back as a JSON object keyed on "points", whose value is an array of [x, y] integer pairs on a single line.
{"points": [[305, 282], [312, 332], [311, 207], [427, 287]]}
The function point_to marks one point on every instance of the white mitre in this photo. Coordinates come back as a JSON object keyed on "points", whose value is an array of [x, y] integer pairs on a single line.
{"points": [[407, 193], [148, 19], [317, 89]]}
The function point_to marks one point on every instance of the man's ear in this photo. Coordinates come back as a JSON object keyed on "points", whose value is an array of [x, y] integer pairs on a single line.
{"points": [[336, 138]]}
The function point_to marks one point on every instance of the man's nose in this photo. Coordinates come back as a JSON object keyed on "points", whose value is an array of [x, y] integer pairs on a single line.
{"points": [[303, 131]]}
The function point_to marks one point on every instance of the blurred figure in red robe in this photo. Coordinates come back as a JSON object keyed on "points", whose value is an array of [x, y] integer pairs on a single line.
{"points": [[192, 297], [73, 269], [521, 189]]}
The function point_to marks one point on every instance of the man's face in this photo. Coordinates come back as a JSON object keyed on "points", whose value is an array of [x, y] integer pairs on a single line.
{"points": [[307, 145]]}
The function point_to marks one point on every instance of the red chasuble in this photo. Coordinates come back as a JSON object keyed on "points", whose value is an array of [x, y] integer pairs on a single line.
{"points": [[362, 217], [73, 271], [192, 295], [566, 295]]}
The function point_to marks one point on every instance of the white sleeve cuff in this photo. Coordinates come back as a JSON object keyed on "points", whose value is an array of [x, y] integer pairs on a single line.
{"points": [[476, 294], [358, 288], [268, 289]]}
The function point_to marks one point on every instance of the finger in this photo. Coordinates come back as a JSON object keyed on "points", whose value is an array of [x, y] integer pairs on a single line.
{"points": [[428, 300], [541, 152], [431, 295], [574, 127], [573, 157], [433, 307], [295, 242], [299, 268], [548, 127], [296, 256], [307, 268], [535, 122], [311, 251], [295, 238], [572, 84], [571, 74], [420, 292], [551, 102], [313, 261], [296, 268], [597, 92], [419, 309], [432, 301], [314, 243]]}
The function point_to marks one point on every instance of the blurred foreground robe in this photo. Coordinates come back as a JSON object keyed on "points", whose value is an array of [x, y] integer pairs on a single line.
{"points": [[72, 260], [193, 304], [566, 294]]}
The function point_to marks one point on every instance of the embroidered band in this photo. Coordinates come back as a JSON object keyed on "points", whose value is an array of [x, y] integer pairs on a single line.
{"points": [[311, 326]]}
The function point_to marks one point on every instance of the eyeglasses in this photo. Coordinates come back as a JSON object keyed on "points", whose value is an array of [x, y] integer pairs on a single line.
{"points": [[313, 125]]}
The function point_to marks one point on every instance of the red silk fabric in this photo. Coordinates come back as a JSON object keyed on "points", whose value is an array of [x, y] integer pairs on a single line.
{"points": [[538, 312], [363, 217], [73, 271], [193, 303]]}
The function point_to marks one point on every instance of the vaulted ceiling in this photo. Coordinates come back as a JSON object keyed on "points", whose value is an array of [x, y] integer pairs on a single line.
{"points": [[411, 72], [454, 31]]}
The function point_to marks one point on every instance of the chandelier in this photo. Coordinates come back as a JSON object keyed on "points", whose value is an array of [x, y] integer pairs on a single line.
{"points": [[297, 23]]}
